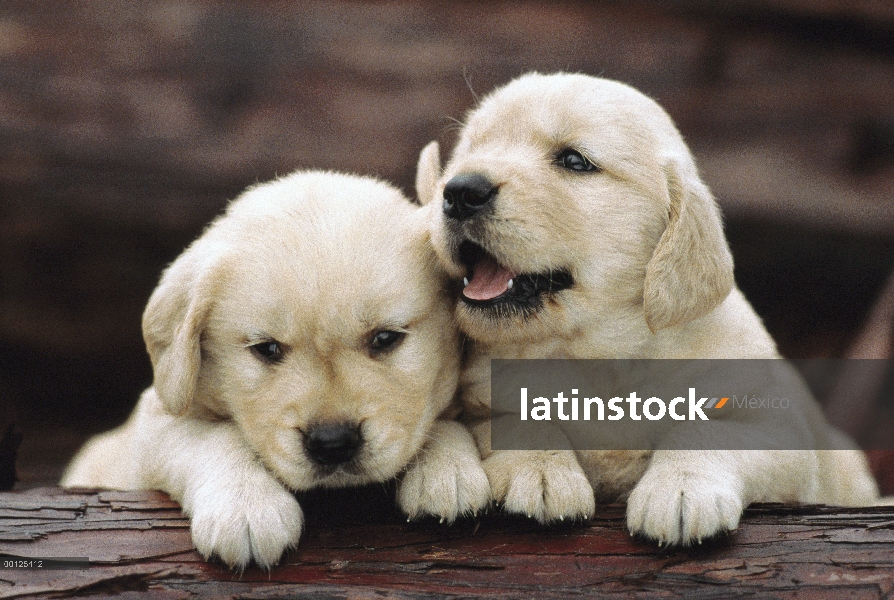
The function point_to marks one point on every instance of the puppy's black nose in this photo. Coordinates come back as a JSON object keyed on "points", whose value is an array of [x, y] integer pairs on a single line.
{"points": [[465, 195], [332, 444]]}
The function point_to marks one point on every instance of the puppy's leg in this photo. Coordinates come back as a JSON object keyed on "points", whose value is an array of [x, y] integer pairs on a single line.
{"points": [[546, 485], [106, 461], [686, 496], [844, 475], [239, 511], [446, 479]]}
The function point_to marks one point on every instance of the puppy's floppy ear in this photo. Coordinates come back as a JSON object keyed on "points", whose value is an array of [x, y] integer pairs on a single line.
{"points": [[172, 328], [428, 171], [691, 269]]}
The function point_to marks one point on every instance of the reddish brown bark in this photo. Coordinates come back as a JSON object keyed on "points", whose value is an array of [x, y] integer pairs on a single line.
{"points": [[140, 542]]}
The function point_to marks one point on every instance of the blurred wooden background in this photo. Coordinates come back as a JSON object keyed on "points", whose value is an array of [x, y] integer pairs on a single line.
{"points": [[125, 127]]}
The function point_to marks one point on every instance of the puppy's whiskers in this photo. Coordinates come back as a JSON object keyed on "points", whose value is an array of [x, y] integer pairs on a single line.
{"points": [[467, 77]]}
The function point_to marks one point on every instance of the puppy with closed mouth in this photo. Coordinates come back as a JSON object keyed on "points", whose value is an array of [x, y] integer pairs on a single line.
{"points": [[303, 341], [574, 222]]}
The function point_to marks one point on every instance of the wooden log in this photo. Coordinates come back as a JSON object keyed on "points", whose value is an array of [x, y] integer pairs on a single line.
{"points": [[357, 545]]}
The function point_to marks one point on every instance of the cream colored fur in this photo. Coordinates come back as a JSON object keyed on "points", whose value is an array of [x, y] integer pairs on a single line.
{"points": [[319, 262], [653, 278]]}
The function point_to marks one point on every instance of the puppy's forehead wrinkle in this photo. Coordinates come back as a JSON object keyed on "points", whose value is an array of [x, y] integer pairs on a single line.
{"points": [[256, 335], [274, 287]]}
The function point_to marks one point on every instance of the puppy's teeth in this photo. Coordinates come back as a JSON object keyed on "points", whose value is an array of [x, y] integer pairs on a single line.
{"points": [[509, 285], [442, 519], [465, 281]]}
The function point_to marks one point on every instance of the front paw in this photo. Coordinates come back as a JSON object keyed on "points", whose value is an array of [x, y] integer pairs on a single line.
{"points": [[256, 522], [543, 485], [671, 507], [446, 480]]}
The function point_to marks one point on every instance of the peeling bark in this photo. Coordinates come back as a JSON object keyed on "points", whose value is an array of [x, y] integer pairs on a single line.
{"points": [[359, 547]]}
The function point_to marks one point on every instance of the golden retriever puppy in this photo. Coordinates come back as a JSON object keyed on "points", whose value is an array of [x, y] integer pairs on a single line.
{"points": [[303, 341], [573, 214]]}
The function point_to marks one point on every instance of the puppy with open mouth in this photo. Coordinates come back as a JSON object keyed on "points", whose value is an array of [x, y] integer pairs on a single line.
{"points": [[304, 340], [573, 220]]}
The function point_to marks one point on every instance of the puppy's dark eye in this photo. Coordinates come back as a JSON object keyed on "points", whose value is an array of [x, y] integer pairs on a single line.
{"points": [[573, 160], [270, 351], [385, 340]]}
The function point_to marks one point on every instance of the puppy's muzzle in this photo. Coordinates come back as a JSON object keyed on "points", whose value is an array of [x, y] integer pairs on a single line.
{"points": [[332, 444], [467, 194]]}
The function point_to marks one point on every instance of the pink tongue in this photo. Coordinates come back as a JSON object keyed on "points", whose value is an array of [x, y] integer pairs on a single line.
{"points": [[489, 280]]}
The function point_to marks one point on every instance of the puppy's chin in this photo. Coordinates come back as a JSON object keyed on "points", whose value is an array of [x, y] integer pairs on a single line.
{"points": [[351, 474], [501, 325]]}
